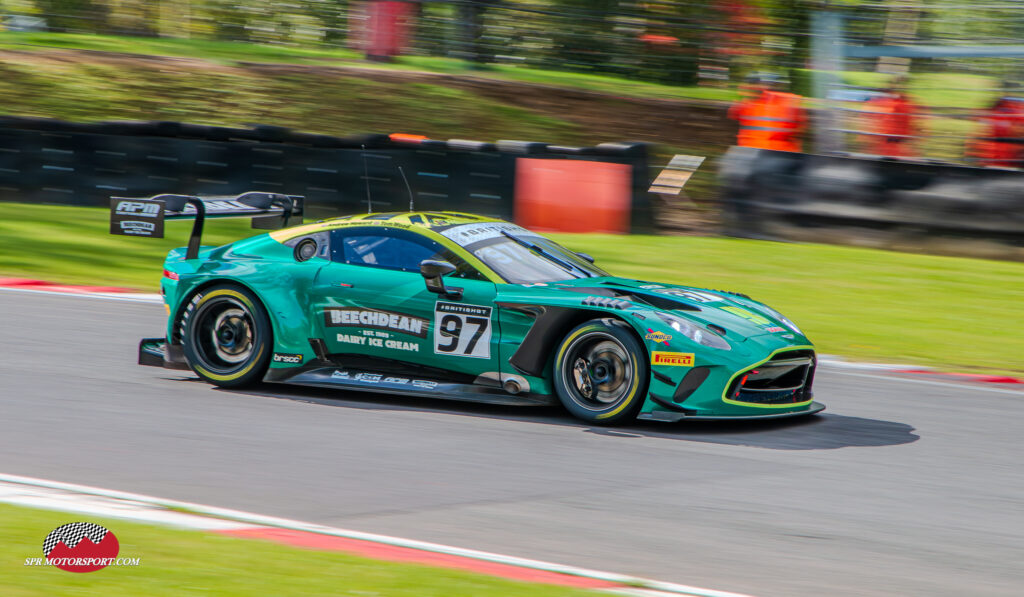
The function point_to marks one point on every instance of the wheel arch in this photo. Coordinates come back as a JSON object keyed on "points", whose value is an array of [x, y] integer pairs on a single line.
{"points": [[537, 350], [577, 396], [175, 328]]}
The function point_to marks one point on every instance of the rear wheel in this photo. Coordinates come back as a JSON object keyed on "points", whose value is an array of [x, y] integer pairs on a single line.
{"points": [[600, 372], [227, 336]]}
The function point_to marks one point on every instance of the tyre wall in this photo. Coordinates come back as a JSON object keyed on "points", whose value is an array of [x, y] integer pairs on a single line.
{"points": [[869, 201], [52, 161]]}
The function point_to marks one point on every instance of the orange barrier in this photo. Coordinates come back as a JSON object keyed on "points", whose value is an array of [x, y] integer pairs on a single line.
{"points": [[572, 195]]}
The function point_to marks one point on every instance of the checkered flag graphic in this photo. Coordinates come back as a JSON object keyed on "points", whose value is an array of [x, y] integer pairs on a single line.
{"points": [[73, 533]]}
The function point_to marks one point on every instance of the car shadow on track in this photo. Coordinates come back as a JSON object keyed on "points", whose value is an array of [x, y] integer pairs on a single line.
{"points": [[816, 432], [826, 431]]}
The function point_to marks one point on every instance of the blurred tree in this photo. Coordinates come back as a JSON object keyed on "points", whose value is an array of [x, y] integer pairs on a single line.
{"points": [[135, 17], [74, 15], [228, 19], [585, 37], [470, 14], [792, 19], [331, 17]]}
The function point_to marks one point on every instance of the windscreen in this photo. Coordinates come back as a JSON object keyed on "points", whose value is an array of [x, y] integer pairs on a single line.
{"points": [[520, 256]]}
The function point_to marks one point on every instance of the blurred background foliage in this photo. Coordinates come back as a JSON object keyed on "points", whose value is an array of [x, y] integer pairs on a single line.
{"points": [[656, 40], [675, 42], [697, 51]]}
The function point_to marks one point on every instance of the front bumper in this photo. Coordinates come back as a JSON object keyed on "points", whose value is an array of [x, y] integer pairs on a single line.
{"points": [[772, 385], [156, 352]]}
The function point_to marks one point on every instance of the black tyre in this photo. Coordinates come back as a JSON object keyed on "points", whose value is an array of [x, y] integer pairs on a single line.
{"points": [[227, 336], [600, 372]]}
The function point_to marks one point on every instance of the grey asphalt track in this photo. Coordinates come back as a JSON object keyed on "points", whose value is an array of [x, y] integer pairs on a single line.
{"points": [[903, 487]]}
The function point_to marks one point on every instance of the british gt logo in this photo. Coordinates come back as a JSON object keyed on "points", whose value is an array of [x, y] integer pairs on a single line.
{"points": [[672, 359]]}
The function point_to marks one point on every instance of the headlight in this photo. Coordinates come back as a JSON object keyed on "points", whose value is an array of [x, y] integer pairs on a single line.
{"points": [[782, 318], [695, 332]]}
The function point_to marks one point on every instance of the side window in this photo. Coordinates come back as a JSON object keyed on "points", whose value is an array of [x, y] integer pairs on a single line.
{"points": [[386, 252], [393, 249]]}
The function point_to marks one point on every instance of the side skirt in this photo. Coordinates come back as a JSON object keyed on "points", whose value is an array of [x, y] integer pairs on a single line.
{"points": [[346, 378]]}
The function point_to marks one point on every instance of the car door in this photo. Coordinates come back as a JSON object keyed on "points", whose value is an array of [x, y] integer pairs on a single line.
{"points": [[373, 303]]}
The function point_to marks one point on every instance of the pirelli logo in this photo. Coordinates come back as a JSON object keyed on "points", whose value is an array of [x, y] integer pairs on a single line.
{"points": [[672, 359]]}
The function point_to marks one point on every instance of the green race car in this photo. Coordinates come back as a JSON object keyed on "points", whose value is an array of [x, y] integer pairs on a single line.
{"points": [[458, 306]]}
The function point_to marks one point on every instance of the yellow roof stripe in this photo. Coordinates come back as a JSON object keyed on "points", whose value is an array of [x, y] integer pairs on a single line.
{"points": [[419, 219]]}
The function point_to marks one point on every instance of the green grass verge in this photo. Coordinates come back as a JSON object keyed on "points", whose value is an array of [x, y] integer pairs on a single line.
{"points": [[224, 51], [946, 90], [589, 82], [937, 90], [177, 562], [73, 245], [343, 105], [949, 312]]}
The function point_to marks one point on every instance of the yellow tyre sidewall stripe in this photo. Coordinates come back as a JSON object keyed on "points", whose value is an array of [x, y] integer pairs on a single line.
{"points": [[632, 392], [259, 354]]}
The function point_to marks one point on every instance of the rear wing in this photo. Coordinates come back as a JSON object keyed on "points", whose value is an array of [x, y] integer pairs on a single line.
{"points": [[145, 217]]}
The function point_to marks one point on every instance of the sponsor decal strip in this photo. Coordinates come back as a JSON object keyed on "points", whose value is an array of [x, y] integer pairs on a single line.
{"points": [[659, 337], [672, 359], [288, 359], [376, 378], [293, 532], [752, 317], [137, 217], [373, 319], [467, 234], [145, 209]]}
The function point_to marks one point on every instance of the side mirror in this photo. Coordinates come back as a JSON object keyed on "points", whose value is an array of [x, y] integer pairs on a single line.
{"points": [[585, 257], [433, 273]]}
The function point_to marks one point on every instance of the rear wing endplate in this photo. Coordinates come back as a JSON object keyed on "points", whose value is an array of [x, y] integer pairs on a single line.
{"points": [[145, 217]]}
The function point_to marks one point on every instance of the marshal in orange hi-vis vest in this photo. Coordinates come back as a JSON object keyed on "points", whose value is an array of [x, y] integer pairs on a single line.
{"points": [[1001, 143], [772, 120], [892, 125]]}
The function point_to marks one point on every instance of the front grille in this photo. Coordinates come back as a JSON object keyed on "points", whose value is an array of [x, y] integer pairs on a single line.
{"points": [[785, 379]]}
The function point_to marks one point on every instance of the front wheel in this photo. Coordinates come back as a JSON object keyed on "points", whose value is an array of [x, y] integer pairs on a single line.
{"points": [[600, 372], [227, 336]]}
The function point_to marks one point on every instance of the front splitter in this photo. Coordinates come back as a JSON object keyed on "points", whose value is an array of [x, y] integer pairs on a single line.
{"points": [[814, 408]]}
